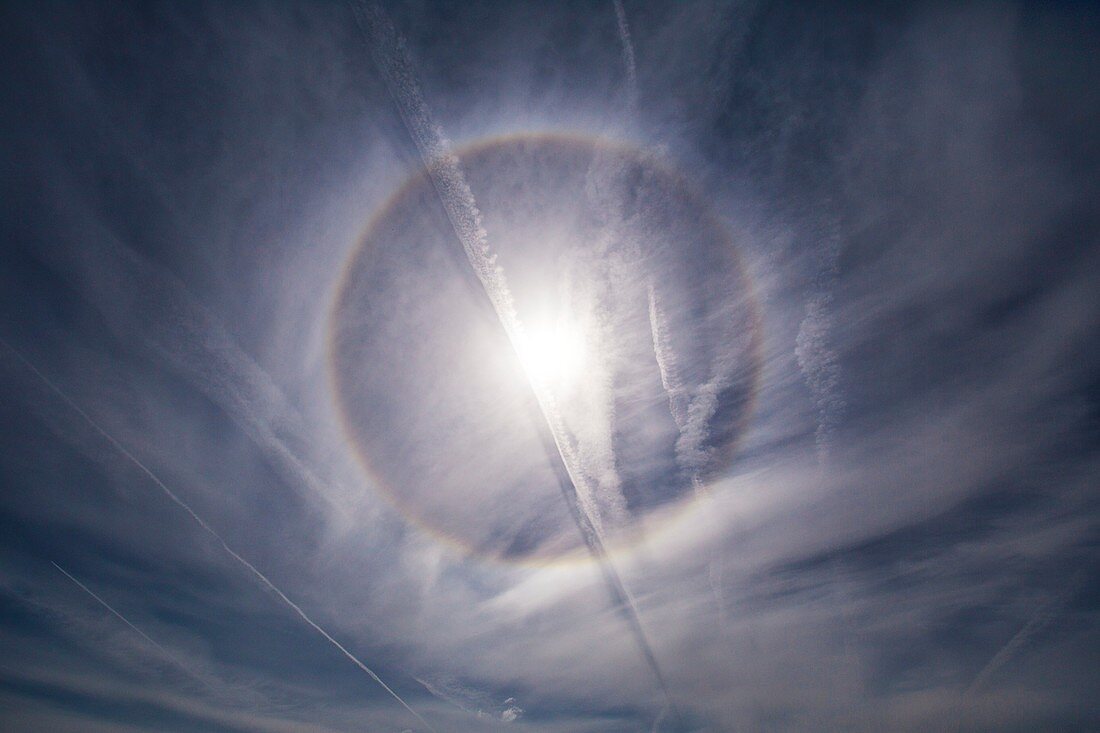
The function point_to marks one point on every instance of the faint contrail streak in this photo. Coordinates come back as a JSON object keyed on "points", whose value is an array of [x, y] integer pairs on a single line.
{"points": [[680, 402], [209, 530], [193, 342], [667, 363], [124, 620], [628, 55], [1042, 615], [691, 413], [658, 720], [458, 202], [1037, 621], [818, 359]]}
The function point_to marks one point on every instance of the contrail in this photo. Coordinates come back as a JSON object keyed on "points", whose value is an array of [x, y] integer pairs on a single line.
{"points": [[691, 410], [1038, 620], [818, 359], [658, 720], [446, 696], [209, 530], [628, 55], [458, 202], [667, 363], [691, 413], [1043, 614], [195, 344], [126, 621], [461, 208]]}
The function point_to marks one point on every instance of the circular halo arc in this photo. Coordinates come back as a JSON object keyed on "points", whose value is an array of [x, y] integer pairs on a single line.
{"points": [[414, 183]]}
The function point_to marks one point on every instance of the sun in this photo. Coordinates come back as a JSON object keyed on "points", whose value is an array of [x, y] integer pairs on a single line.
{"points": [[553, 352]]}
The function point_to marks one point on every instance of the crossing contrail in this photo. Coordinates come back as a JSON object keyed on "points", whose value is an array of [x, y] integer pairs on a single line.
{"points": [[209, 530], [1046, 611], [1043, 614], [192, 341], [457, 199], [126, 621], [461, 208]]}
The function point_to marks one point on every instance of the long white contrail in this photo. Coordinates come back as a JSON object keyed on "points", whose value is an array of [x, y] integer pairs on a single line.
{"points": [[209, 530], [461, 208], [445, 172]]}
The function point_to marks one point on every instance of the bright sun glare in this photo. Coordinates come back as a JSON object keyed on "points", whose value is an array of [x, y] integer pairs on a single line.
{"points": [[553, 353]]}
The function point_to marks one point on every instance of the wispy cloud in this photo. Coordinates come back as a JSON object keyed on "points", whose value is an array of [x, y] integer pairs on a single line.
{"points": [[210, 531], [911, 195], [458, 201]]}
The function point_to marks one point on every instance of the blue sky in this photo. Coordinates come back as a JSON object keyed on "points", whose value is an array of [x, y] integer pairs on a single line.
{"points": [[553, 367]]}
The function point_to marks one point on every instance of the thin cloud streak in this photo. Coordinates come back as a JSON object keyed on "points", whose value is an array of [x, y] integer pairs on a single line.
{"points": [[126, 621], [889, 569], [197, 345], [209, 530], [458, 201], [691, 423], [628, 55], [820, 367], [1044, 613], [462, 211], [667, 363], [658, 720]]}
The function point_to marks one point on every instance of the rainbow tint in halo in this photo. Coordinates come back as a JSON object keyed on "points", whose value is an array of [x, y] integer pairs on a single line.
{"points": [[652, 340]]}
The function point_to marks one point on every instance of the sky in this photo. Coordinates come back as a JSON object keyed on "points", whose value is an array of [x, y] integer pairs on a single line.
{"points": [[549, 367]]}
